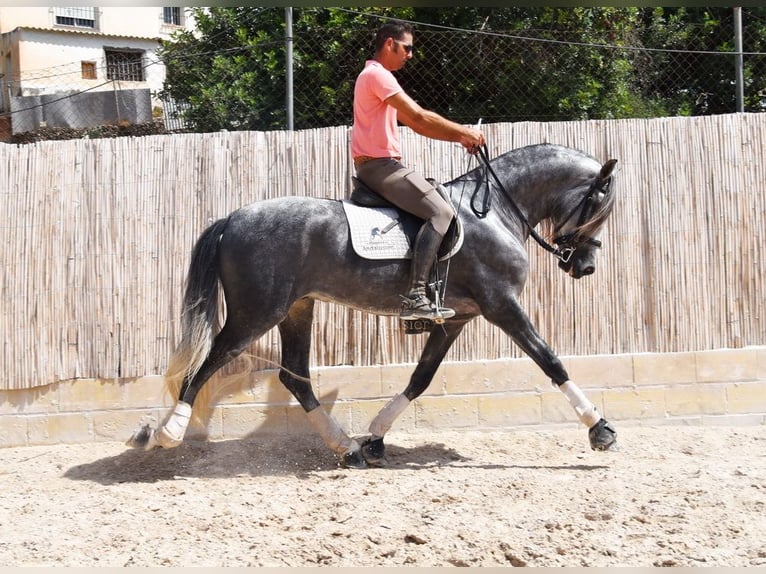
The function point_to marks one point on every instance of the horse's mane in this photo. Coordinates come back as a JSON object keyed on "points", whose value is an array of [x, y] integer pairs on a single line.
{"points": [[597, 219]]}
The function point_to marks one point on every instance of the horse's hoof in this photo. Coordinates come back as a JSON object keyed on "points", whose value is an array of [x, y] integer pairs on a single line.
{"points": [[374, 451], [602, 436], [353, 459], [140, 438]]}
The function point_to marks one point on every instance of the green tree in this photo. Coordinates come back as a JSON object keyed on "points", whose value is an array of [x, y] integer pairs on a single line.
{"points": [[528, 64], [499, 64], [231, 74], [694, 75]]}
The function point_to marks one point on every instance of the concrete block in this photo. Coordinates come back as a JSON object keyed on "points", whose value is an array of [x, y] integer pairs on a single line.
{"points": [[349, 382], [298, 422], [120, 425], [13, 430], [144, 392], [447, 412], [395, 378], [642, 403], [695, 399], [510, 410], [29, 401], [60, 428], [726, 365], [733, 420], [90, 395], [213, 429], [465, 378], [262, 387], [517, 375], [611, 371], [746, 398], [239, 421], [664, 368], [688, 421], [760, 361]]}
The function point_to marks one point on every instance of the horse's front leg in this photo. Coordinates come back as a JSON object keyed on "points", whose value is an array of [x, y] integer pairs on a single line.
{"points": [[514, 321], [437, 345]]}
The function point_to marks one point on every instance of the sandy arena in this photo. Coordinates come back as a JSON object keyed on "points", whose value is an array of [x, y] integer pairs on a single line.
{"points": [[672, 496]]}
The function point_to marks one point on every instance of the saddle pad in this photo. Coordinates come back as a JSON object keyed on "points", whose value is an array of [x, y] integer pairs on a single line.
{"points": [[385, 233], [377, 232]]}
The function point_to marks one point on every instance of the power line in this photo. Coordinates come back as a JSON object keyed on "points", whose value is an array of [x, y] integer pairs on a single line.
{"points": [[545, 40]]}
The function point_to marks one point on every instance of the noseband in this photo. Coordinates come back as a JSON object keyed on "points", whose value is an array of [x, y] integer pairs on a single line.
{"points": [[567, 243]]}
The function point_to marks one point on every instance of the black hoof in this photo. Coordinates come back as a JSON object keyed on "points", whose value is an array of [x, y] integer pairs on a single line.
{"points": [[374, 451], [602, 436], [140, 438], [353, 459]]}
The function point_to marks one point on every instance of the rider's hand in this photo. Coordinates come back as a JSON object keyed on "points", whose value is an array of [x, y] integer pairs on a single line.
{"points": [[472, 140]]}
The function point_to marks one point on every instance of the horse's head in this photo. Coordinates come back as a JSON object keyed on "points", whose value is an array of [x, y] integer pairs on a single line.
{"points": [[577, 227]]}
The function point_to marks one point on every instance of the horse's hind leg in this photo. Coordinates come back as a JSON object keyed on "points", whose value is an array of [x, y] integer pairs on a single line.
{"points": [[295, 332], [230, 342]]}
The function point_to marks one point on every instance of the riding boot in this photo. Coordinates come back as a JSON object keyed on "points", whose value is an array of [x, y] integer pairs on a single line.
{"points": [[416, 304]]}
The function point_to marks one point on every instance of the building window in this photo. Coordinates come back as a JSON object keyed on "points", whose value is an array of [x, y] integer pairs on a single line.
{"points": [[125, 65], [84, 17], [88, 70], [172, 16]]}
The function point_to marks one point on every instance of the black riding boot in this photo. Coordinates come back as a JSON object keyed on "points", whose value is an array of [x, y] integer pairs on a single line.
{"points": [[416, 304]]}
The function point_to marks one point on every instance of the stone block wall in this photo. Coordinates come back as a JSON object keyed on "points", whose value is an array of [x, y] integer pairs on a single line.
{"points": [[720, 387]]}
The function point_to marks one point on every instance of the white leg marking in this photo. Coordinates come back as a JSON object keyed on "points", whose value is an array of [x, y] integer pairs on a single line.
{"points": [[381, 424], [171, 434], [585, 409], [331, 433]]}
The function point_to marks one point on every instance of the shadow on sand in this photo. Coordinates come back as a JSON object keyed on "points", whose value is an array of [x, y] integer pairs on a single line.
{"points": [[270, 455]]}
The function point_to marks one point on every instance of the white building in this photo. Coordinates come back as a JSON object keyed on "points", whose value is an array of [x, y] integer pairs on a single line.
{"points": [[64, 66]]}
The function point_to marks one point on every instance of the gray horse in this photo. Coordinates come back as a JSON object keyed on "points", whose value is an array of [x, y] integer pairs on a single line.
{"points": [[274, 258]]}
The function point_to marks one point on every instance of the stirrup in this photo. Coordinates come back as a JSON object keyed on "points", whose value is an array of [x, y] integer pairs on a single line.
{"points": [[420, 307]]}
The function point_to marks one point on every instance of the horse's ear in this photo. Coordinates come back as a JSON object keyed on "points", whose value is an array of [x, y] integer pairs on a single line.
{"points": [[606, 169]]}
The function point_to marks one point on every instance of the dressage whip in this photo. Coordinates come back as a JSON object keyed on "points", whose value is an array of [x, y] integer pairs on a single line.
{"points": [[454, 231]]}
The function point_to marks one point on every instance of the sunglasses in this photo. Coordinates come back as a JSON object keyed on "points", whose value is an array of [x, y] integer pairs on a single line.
{"points": [[407, 47]]}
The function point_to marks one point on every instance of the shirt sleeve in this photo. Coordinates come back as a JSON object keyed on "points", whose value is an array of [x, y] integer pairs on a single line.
{"points": [[385, 84]]}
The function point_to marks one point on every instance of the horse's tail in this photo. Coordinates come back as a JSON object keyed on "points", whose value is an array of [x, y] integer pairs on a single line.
{"points": [[202, 313]]}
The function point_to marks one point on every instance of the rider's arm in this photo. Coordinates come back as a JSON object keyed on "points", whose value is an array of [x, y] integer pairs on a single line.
{"points": [[432, 125]]}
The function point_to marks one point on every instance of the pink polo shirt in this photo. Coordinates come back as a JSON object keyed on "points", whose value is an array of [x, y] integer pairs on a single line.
{"points": [[375, 133]]}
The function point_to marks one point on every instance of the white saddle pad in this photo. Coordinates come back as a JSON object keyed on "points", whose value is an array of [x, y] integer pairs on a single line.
{"points": [[377, 233]]}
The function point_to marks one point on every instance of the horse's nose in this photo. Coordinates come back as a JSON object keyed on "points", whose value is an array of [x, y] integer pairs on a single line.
{"points": [[579, 271]]}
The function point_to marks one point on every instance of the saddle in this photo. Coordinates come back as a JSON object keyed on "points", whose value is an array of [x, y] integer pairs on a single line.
{"points": [[380, 230]]}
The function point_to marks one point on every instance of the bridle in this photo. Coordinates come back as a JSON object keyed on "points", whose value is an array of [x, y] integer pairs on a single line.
{"points": [[565, 244], [570, 241]]}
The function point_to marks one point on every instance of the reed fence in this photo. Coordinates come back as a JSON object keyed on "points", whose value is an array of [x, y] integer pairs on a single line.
{"points": [[98, 233]]}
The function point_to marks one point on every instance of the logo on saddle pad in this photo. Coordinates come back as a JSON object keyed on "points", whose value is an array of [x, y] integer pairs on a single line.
{"points": [[388, 233]]}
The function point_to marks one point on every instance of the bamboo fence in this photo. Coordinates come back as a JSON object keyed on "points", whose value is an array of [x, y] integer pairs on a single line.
{"points": [[98, 235]]}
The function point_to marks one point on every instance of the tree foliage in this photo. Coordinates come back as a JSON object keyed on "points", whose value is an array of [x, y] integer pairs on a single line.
{"points": [[500, 64]]}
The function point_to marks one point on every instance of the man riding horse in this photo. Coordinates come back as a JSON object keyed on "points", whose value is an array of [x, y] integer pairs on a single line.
{"points": [[379, 101]]}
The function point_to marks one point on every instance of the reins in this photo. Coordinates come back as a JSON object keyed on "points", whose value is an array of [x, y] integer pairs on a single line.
{"points": [[564, 254]]}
